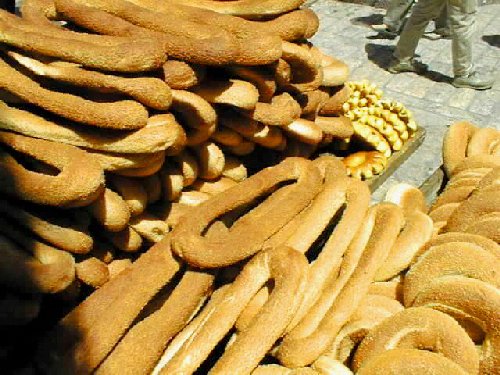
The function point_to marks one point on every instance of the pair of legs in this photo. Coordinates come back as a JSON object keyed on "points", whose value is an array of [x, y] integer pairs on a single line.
{"points": [[462, 19], [398, 10]]}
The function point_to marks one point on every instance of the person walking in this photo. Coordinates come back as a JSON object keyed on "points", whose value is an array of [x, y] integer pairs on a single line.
{"points": [[397, 14], [462, 18]]}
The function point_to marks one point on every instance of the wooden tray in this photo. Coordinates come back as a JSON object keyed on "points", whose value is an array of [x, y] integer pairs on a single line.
{"points": [[397, 159]]}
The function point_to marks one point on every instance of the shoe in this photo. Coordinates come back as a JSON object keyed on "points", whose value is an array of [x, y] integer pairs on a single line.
{"points": [[385, 30], [473, 81], [412, 66], [438, 34]]}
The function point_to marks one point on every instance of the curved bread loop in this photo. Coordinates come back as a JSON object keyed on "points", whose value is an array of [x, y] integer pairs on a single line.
{"points": [[161, 132], [415, 234], [188, 165], [127, 240], [152, 334], [180, 75], [340, 298], [325, 364], [57, 231], [281, 111], [92, 272], [84, 337], [226, 137], [420, 327], [194, 198], [149, 227], [214, 187], [372, 310], [482, 201], [443, 212], [245, 8], [483, 141], [446, 295], [234, 169], [487, 225], [145, 171], [408, 197], [261, 77], [392, 289], [151, 92], [333, 105], [453, 258], [475, 162], [304, 131], [455, 144], [187, 239], [305, 74], [453, 194], [79, 182], [410, 362], [110, 211], [330, 167], [365, 164], [234, 92], [266, 136], [30, 266], [126, 114], [288, 270], [335, 71], [311, 101], [124, 55], [132, 192], [172, 181], [118, 163], [211, 160], [196, 113], [337, 127]]}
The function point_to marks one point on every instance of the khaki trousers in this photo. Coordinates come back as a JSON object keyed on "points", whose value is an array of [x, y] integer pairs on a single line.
{"points": [[462, 19]]}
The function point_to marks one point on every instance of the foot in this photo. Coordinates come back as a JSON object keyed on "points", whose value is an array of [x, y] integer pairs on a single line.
{"points": [[412, 66], [473, 80], [438, 34], [385, 30]]}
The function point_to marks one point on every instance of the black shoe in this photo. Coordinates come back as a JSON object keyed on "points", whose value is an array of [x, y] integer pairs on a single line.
{"points": [[473, 81], [385, 30], [412, 66]]}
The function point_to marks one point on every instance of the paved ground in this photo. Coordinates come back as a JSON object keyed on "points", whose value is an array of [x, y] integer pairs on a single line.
{"points": [[345, 33]]}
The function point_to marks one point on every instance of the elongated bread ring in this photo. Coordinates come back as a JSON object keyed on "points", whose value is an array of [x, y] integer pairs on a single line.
{"points": [[244, 148], [116, 162], [407, 197], [306, 73], [118, 265], [127, 240], [84, 337], [161, 132], [91, 271], [48, 270], [245, 8], [226, 136], [410, 362], [79, 182], [132, 192], [233, 92], [267, 136], [281, 111], [194, 198], [333, 105], [311, 101], [196, 113], [188, 165], [172, 181], [111, 211], [155, 331], [446, 295], [149, 227], [281, 370], [210, 160], [304, 130], [483, 141], [288, 270], [214, 187], [455, 258], [476, 162], [420, 327], [453, 194], [338, 127], [443, 212], [487, 225], [151, 92], [415, 234], [260, 77], [188, 242], [180, 75], [326, 365], [317, 330], [234, 169], [60, 233], [145, 171]]}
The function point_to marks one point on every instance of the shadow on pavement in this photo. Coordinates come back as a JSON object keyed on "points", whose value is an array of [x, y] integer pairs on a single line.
{"points": [[381, 55], [492, 40], [372, 19]]}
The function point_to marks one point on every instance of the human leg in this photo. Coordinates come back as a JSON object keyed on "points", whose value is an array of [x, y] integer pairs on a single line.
{"points": [[396, 13]]}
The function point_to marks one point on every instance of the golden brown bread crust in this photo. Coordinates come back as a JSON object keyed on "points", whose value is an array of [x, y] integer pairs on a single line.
{"points": [[80, 181], [90, 321], [180, 75], [455, 143], [188, 242], [92, 272], [110, 211]]}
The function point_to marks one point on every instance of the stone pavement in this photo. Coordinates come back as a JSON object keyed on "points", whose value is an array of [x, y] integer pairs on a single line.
{"points": [[345, 33]]}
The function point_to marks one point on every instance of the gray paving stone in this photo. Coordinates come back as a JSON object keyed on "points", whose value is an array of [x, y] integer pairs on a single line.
{"points": [[462, 98]]}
